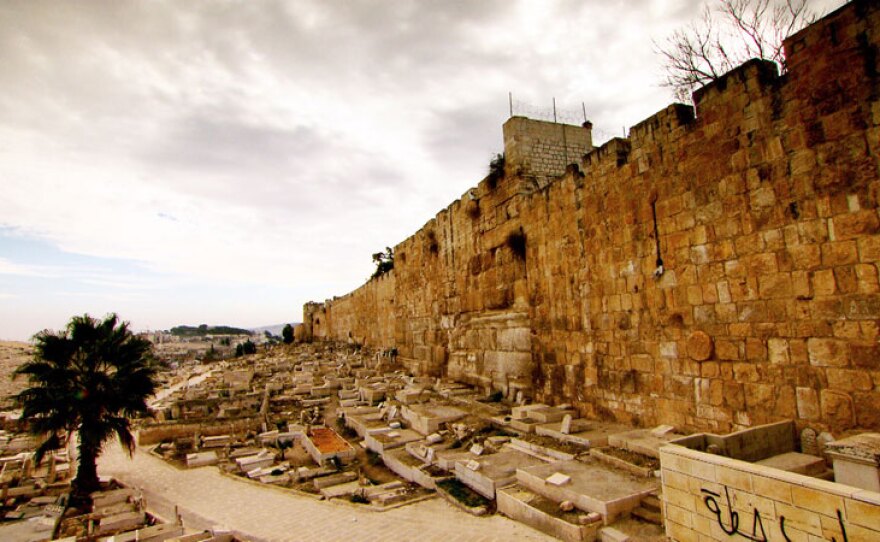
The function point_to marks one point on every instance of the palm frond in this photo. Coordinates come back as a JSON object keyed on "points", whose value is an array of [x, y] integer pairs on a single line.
{"points": [[54, 442], [90, 378]]}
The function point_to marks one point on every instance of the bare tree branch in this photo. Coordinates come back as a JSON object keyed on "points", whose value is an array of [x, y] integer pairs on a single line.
{"points": [[728, 35]]}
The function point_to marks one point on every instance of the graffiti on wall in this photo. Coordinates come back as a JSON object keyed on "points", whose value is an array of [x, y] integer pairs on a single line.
{"points": [[753, 530]]}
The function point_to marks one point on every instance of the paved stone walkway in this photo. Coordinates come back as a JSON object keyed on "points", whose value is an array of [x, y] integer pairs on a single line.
{"points": [[208, 499]]}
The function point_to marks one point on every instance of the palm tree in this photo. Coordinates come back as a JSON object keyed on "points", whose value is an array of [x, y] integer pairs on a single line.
{"points": [[90, 379]]}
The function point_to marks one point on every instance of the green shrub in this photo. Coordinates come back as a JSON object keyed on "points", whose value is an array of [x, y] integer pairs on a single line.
{"points": [[496, 171]]}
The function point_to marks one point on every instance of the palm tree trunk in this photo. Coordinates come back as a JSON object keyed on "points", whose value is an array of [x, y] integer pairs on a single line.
{"points": [[87, 472]]}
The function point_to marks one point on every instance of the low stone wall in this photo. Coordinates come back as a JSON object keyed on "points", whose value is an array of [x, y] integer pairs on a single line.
{"points": [[154, 434], [710, 497], [752, 444], [410, 473]]}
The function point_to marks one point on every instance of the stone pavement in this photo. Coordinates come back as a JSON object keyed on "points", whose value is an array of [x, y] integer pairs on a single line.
{"points": [[206, 499]]}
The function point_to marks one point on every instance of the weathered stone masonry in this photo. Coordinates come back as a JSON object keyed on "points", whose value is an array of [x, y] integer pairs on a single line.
{"points": [[766, 204]]}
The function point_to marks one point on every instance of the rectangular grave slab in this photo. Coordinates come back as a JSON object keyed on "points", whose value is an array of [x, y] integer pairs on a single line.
{"points": [[642, 441], [125, 521], [323, 443], [382, 441], [494, 471], [810, 465], [201, 459], [589, 433], [427, 418], [220, 441], [517, 503], [106, 498], [341, 490], [592, 488], [857, 460]]}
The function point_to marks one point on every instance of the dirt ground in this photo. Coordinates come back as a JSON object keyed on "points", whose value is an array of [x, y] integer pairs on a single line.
{"points": [[12, 354]]}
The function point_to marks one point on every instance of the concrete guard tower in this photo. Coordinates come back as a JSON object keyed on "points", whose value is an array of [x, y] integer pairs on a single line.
{"points": [[541, 150]]}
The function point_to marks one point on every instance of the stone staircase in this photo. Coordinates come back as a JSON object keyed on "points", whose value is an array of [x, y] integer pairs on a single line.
{"points": [[650, 510]]}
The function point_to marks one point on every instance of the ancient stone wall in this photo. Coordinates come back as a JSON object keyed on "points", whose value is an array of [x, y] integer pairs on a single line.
{"points": [[363, 316], [762, 207]]}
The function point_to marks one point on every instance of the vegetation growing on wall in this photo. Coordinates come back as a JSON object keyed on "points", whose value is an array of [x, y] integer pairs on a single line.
{"points": [[496, 171], [384, 262]]}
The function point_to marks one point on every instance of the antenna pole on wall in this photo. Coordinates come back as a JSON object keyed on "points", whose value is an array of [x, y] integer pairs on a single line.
{"points": [[510, 101]]}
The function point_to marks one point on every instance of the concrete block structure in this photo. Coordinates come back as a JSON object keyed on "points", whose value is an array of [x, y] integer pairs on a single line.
{"points": [[703, 492]]}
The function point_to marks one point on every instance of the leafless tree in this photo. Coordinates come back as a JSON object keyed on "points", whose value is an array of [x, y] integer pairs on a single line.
{"points": [[728, 35]]}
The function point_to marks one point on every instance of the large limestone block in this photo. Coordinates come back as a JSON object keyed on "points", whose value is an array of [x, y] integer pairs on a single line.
{"points": [[515, 339]]}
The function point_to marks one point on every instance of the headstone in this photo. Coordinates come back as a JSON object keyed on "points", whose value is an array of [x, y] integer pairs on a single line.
{"points": [[566, 506], [662, 430], [519, 397], [392, 413], [473, 465], [566, 424], [477, 449], [809, 442], [434, 438], [558, 479], [52, 469], [429, 455], [594, 517], [823, 439]]}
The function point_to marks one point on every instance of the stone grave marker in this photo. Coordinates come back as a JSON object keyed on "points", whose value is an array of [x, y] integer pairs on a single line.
{"points": [[809, 442], [566, 424]]}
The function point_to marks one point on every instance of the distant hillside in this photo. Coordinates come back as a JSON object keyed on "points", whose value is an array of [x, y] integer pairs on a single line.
{"points": [[204, 329]]}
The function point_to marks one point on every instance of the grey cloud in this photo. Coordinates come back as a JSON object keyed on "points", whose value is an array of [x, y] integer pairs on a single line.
{"points": [[451, 146], [225, 156]]}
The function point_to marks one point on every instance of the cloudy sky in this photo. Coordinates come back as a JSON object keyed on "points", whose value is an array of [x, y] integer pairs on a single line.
{"points": [[223, 162]]}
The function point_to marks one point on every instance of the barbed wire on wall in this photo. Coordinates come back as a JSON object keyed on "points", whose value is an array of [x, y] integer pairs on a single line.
{"points": [[602, 136], [552, 113]]}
